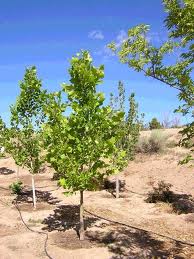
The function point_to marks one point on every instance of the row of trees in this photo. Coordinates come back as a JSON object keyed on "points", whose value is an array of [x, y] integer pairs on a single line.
{"points": [[80, 137]]}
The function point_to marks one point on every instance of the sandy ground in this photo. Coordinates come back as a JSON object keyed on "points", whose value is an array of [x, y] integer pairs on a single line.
{"points": [[58, 215]]}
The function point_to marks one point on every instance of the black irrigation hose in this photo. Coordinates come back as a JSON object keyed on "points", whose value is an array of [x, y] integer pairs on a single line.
{"points": [[35, 231], [141, 229], [52, 190]]}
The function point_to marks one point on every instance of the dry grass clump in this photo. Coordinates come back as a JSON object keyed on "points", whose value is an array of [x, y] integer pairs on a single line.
{"points": [[155, 143]]}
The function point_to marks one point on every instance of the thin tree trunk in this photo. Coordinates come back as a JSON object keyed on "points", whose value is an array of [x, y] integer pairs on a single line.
{"points": [[17, 172], [117, 187], [34, 192], [81, 230]]}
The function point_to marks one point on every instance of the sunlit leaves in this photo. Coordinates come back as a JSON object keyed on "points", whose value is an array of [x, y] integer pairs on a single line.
{"points": [[163, 62], [80, 143]]}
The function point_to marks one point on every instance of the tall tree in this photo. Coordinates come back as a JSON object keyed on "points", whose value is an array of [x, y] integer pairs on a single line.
{"points": [[129, 128], [142, 56], [2, 136], [26, 122], [80, 145]]}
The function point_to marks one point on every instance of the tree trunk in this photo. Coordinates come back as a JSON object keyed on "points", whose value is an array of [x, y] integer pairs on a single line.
{"points": [[81, 230], [17, 172], [34, 192], [117, 187]]}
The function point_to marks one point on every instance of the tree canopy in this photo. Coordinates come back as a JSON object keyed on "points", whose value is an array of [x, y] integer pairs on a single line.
{"points": [[142, 56]]}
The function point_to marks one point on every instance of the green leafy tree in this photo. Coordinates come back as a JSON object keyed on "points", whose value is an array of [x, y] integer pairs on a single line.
{"points": [[80, 145], [154, 124], [2, 136], [26, 120], [142, 56], [129, 128]]}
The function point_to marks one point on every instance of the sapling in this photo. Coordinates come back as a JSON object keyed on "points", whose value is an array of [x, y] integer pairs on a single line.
{"points": [[26, 122], [2, 136], [81, 144], [128, 130]]}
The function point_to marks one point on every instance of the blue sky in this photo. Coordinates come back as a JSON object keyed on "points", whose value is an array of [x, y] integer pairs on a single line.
{"points": [[47, 33]]}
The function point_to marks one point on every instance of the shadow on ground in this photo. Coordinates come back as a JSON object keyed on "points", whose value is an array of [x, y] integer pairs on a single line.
{"points": [[6, 171], [66, 217], [41, 196], [183, 203], [126, 242]]}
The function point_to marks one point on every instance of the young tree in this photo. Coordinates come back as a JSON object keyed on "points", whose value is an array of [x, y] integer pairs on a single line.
{"points": [[129, 128], [13, 146], [139, 54], [154, 124], [2, 136], [26, 120], [80, 145]]}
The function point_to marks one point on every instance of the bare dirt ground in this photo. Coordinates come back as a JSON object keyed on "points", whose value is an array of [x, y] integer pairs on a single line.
{"points": [[58, 215]]}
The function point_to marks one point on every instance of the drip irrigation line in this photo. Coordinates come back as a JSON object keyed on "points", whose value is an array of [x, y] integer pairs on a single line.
{"points": [[30, 229], [141, 229], [52, 190], [34, 231]]}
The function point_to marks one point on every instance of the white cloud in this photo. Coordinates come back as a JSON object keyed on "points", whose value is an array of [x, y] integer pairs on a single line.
{"points": [[121, 37], [105, 52], [96, 35]]}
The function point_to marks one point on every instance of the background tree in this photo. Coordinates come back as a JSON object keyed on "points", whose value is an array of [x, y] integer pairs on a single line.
{"points": [[26, 121], [80, 146], [154, 124], [2, 136], [129, 128], [139, 54]]}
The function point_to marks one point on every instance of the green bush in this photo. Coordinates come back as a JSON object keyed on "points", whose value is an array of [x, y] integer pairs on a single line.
{"points": [[16, 187], [154, 124], [155, 143]]}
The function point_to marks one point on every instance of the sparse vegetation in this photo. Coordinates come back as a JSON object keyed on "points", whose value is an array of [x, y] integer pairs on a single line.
{"points": [[156, 142], [16, 187], [161, 192]]}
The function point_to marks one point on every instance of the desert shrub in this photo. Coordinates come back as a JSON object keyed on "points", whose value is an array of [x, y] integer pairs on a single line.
{"points": [[155, 143], [172, 143], [154, 124], [16, 187], [159, 193]]}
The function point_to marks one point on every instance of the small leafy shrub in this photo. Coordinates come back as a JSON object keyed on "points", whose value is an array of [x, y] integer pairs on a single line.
{"points": [[155, 143], [154, 124], [16, 187], [160, 193]]}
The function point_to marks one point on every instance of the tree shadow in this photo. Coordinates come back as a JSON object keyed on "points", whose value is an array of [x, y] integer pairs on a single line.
{"points": [[181, 203], [66, 217], [6, 171], [110, 186], [132, 243], [42, 196]]}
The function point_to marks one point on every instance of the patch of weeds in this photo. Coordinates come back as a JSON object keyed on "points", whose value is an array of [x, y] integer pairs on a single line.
{"points": [[180, 203], [16, 187], [35, 221], [160, 193], [155, 143]]}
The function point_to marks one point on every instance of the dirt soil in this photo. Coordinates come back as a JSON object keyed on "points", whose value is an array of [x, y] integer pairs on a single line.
{"points": [[145, 226]]}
